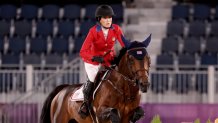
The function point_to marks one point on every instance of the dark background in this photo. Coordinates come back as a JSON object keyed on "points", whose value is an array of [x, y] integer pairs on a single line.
{"points": [[59, 2]]}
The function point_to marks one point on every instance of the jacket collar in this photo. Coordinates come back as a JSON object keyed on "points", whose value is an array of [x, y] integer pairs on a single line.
{"points": [[98, 27]]}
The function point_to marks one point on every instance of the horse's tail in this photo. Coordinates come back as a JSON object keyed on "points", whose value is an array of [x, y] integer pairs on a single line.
{"points": [[45, 114]]}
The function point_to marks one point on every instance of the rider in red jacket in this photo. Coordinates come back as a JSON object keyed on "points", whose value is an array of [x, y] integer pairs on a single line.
{"points": [[99, 49]]}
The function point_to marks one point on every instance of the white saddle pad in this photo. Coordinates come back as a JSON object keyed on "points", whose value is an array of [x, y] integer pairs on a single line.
{"points": [[78, 95]]}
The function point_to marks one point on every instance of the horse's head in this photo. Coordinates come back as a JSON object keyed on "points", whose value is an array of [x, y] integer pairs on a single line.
{"points": [[138, 62]]}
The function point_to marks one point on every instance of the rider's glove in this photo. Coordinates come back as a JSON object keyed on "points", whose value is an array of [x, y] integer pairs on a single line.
{"points": [[98, 59]]}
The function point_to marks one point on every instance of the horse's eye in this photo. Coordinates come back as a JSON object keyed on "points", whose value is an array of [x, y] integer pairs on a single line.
{"points": [[131, 59]]}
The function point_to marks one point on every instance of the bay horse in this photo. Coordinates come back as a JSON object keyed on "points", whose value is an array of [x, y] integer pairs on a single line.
{"points": [[117, 97]]}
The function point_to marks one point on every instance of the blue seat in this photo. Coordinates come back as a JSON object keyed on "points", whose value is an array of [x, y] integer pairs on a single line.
{"points": [[192, 45], [159, 82], [60, 45], [170, 45], [119, 13], [197, 29], [175, 28], [214, 28], [2, 43], [211, 45], [85, 26], [165, 62], [216, 13], [187, 62], [165, 59], [10, 59], [201, 12], [180, 11], [8, 12], [53, 59], [90, 11], [50, 12], [66, 28], [38, 45], [71, 57], [33, 59], [44, 28], [78, 44], [72, 11], [17, 45], [4, 28], [186, 59], [208, 59], [29, 12], [22, 28]]}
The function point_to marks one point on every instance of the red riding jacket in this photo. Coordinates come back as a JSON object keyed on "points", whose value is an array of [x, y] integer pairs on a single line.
{"points": [[96, 45]]}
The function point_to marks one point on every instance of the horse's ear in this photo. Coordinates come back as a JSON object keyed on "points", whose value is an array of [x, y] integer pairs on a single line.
{"points": [[125, 41], [147, 41]]}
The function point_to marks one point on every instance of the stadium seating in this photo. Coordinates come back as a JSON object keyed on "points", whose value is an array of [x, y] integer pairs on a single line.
{"points": [[50, 12], [8, 12], [201, 12], [60, 45], [72, 12], [17, 45], [44, 28], [29, 12], [34, 59], [175, 28], [66, 28], [30, 30], [214, 28], [208, 59], [23, 28], [197, 29], [53, 59], [180, 11], [38, 45], [90, 11], [170, 45], [211, 45], [10, 59], [192, 45], [4, 28]]}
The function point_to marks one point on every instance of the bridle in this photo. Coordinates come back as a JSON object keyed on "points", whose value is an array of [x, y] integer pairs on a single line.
{"points": [[132, 81], [129, 63]]}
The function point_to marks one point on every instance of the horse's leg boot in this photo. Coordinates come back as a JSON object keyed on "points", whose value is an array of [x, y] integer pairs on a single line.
{"points": [[87, 91], [138, 113]]}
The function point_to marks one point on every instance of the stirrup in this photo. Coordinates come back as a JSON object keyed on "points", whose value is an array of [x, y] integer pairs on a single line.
{"points": [[83, 110]]}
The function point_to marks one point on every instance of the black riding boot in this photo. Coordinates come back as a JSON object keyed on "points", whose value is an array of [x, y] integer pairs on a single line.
{"points": [[87, 91]]}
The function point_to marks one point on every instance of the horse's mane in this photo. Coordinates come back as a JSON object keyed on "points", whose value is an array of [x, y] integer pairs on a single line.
{"points": [[118, 58]]}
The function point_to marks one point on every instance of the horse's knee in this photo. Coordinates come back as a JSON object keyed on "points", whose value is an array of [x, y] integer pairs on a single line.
{"points": [[138, 113], [110, 114]]}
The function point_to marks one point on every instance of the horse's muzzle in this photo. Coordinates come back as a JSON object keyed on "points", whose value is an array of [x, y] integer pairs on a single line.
{"points": [[144, 86]]}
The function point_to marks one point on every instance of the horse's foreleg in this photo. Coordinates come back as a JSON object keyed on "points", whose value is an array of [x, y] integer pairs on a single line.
{"points": [[138, 113], [109, 114]]}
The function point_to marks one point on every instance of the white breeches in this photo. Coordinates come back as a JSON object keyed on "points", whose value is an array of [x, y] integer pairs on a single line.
{"points": [[91, 70]]}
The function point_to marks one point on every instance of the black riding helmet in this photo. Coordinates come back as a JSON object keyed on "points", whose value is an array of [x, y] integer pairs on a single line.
{"points": [[103, 10]]}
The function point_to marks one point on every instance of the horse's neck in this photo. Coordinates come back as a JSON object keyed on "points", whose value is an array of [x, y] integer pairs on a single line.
{"points": [[123, 67]]}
